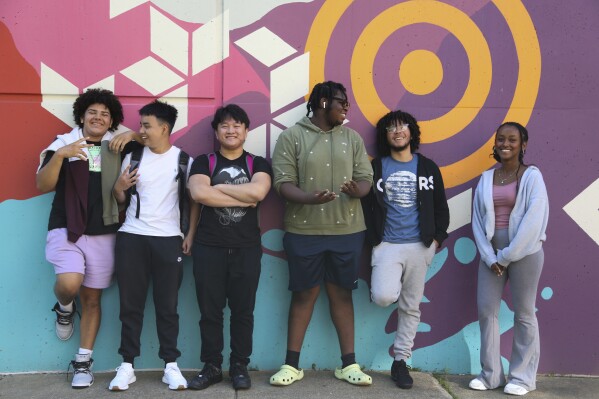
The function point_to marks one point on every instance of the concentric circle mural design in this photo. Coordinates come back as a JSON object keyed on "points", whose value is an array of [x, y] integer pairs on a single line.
{"points": [[421, 71]]}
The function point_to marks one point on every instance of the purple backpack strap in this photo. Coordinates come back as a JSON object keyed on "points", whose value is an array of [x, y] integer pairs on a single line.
{"points": [[211, 162], [249, 162]]}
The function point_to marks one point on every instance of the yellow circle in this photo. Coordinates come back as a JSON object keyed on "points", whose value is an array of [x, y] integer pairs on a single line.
{"points": [[527, 87], [421, 72], [453, 20]]}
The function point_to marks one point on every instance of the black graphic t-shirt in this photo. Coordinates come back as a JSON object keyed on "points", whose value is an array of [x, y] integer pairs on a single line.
{"points": [[231, 226]]}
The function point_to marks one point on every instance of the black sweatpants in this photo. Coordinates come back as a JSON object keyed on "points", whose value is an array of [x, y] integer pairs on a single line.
{"points": [[221, 275], [139, 260]]}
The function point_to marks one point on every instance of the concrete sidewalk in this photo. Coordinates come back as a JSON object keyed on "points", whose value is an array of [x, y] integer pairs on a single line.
{"points": [[316, 384]]}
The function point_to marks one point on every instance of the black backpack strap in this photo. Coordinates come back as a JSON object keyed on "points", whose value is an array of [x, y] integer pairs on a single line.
{"points": [[135, 161], [183, 197]]}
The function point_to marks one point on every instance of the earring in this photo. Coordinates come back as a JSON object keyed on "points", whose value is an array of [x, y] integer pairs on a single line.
{"points": [[324, 104], [523, 152]]}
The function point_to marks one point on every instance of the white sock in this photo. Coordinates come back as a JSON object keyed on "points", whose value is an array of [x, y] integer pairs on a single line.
{"points": [[174, 364], [83, 351], [66, 308]]}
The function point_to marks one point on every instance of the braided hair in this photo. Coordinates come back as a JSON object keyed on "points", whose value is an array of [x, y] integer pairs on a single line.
{"points": [[323, 90]]}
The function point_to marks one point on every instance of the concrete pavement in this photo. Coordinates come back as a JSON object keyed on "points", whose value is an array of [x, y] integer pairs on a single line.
{"points": [[316, 384]]}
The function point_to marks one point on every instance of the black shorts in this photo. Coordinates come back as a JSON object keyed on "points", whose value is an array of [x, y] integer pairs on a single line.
{"points": [[313, 259]]}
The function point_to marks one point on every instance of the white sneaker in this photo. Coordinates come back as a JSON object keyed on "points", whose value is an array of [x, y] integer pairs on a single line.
{"points": [[477, 385], [513, 389], [82, 374], [173, 377], [124, 377]]}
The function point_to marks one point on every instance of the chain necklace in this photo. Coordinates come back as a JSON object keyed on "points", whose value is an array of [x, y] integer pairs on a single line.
{"points": [[503, 179]]}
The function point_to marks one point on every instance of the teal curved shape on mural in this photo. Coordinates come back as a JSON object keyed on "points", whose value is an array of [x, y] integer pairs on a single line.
{"points": [[462, 350], [273, 240], [464, 250], [423, 327], [547, 293], [437, 263]]}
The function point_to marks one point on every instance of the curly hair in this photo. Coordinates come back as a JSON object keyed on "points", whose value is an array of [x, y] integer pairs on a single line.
{"points": [[323, 90], [98, 96], [382, 144], [523, 139]]}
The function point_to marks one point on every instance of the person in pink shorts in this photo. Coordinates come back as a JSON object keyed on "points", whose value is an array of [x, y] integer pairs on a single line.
{"points": [[81, 167]]}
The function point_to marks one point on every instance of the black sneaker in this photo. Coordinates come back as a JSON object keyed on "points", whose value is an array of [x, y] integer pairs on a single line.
{"points": [[401, 375], [239, 376], [209, 375], [65, 322]]}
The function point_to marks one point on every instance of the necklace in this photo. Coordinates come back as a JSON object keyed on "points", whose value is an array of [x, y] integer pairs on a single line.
{"points": [[502, 178]]}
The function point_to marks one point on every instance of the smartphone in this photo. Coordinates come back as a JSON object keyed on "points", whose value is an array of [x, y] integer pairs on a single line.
{"points": [[133, 166]]}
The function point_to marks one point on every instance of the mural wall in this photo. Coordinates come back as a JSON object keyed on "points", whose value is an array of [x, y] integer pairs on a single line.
{"points": [[461, 67]]}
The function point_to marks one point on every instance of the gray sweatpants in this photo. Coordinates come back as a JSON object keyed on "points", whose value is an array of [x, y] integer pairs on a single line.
{"points": [[398, 274], [523, 276]]}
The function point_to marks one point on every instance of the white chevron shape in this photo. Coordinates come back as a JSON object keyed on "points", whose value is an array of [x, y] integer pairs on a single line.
{"points": [[179, 99], [460, 210], [117, 7], [584, 210], [210, 43], [58, 94], [106, 83]]}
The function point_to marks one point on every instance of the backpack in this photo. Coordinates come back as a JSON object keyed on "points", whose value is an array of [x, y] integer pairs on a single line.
{"points": [[249, 163], [183, 163]]}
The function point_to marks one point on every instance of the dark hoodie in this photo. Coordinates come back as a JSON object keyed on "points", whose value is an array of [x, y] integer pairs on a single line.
{"points": [[433, 211]]}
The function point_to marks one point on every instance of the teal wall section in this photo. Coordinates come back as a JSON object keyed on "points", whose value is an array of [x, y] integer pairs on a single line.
{"points": [[26, 294]]}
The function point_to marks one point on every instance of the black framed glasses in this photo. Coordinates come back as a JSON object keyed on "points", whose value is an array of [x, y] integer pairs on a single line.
{"points": [[344, 103]]}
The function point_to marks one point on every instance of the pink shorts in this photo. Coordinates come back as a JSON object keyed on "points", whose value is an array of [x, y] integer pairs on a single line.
{"points": [[92, 256]]}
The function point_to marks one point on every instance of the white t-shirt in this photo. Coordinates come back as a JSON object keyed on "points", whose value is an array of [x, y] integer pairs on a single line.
{"points": [[157, 188]]}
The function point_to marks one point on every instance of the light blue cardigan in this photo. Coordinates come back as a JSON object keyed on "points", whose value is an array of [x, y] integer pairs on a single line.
{"points": [[527, 223]]}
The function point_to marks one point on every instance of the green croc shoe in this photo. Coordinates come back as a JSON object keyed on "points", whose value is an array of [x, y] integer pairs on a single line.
{"points": [[353, 375], [287, 375]]}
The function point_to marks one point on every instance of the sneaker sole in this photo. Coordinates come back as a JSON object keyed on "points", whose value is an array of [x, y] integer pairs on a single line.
{"points": [[82, 386], [404, 386], [242, 386], [197, 387], [117, 388], [177, 388]]}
